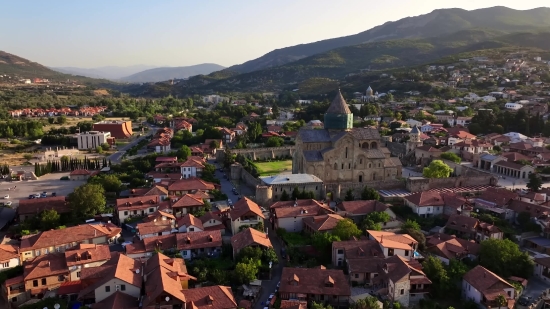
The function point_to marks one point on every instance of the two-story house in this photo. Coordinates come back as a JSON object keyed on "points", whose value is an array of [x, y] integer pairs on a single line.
{"points": [[358, 210], [192, 167], [158, 223], [472, 229], [120, 273], [139, 206], [425, 204], [189, 223], [245, 213], [211, 222], [44, 273], [85, 256], [190, 185], [29, 208], [186, 204], [9, 257], [395, 244], [315, 285], [291, 218], [483, 287], [249, 238], [447, 247], [53, 241]]}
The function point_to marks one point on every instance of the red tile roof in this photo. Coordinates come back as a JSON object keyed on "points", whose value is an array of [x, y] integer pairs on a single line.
{"points": [[8, 252], [190, 220], [87, 253], [317, 281], [191, 184], [117, 300], [118, 129], [80, 172], [486, 282], [210, 297], [188, 200], [244, 206], [362, 207], [249, 237], [306, 202], [38, 205], [45, 266], [323, 223], [70, 287], [426, 198], [138, 202]]}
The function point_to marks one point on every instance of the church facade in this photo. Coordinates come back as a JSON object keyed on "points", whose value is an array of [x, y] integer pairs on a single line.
{"points": [[340, 153]]}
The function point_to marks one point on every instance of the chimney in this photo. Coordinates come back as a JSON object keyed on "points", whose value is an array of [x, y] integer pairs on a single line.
{"points": [[381, 238], [95, 233]]}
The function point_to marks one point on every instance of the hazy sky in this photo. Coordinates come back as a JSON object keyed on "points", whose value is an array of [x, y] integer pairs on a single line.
{"points": [[186, 32]]}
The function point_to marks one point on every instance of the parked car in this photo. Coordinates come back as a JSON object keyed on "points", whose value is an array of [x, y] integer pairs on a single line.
{"points": [[229, 202], [6, 196], [8, 203], [37, 195], [44, 194], [31, 196], [54, 194]]}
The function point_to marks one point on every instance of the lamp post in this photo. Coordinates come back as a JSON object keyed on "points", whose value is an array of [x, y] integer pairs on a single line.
{"points": [[270, 264]]}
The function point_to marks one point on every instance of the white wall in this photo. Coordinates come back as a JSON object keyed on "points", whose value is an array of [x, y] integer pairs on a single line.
{"points": [[291, 224], [187, 172], [123, 214], [11, 263], [184, 228], [101, 294]]}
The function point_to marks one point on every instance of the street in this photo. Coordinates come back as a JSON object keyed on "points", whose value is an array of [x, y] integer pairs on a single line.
{"points": [[116, 157]]}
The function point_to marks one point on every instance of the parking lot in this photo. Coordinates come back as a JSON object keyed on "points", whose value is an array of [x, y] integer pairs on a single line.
{"points": [[48, 183]]}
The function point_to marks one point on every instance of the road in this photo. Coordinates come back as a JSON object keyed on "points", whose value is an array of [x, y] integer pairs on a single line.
{"points": [[117, 156]]}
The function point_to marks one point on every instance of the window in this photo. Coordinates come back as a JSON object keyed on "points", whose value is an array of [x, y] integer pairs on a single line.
{"points": [[342, 165], [107, 288], [402, 291], [356, 275], [151, 209], [360, 178], [13, 300], [43, 281], [340, 251], [185, 253], [135, 212], [125, 213], [346, 152], [123, 287], [406, 252], [61, 278], [35, 283], [78, 274], [191, 229], [469, 287], [349, 166], [37, 253], [6, 265]]}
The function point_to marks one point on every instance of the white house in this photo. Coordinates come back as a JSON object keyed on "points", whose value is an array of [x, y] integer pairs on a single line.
{"points": [[191, 168], [425, 204], [463, 121], [471, 97], [516, 137], [542, 266], [488, 98], [483, 286], [412, 123], [189, 223], [513, 106], [9, 257]]}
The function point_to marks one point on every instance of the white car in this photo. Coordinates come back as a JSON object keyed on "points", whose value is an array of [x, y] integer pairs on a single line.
{"points": [[8, 203], [6, 196], [126, 243], [271, 296]]}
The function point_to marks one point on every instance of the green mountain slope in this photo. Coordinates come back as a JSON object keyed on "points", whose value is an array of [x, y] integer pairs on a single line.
{"points": [[437, 23]]}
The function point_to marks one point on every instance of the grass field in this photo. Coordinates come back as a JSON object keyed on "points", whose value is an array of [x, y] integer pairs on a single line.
{"points": [[273, 168]]}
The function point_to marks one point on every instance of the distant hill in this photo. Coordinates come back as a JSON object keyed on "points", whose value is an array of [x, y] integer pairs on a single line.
{"points": [[166, 73], [437, 23], [108, 72], [14, 65]]}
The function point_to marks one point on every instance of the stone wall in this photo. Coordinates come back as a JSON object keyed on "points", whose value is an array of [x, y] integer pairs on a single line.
{"points": [[260, 153], [239, 173], [339, 189]]}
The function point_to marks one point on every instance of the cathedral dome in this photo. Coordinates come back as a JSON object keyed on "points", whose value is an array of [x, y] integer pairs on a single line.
{"points": [[369, 91], [338, 115]]}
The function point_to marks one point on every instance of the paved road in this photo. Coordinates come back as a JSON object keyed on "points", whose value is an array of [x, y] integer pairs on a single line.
{"points": [[227, 186], [116, 157]]}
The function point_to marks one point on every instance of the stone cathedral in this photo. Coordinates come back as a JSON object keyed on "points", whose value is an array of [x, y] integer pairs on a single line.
{"points": [[340, 153]]}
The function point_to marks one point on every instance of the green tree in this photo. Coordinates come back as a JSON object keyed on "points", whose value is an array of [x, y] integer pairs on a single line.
{"points": [[269, 255], [99, 149], [374, 220], [285, 196], [368, 302], [346, 229], [501, 301], [535, 182], [320, 305], [111, 183], [323, 241], [246, 271], [435, 271], [49, 219], [370, 194], [61, 119], [214, 145], [274, 141], [437, 169], [410, 225], [51, 120], [295, 193], [27, 156], [451, 157], [503, 257], [105, 146], [349, 195], [183, 153], [87, 200]]}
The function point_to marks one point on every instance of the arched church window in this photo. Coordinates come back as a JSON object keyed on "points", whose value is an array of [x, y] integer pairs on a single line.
{"points": [[373, 145], [342, 165], [370, 165], [360, 161], [365, 145], [360, 178], [349, 166], [346, 152]]}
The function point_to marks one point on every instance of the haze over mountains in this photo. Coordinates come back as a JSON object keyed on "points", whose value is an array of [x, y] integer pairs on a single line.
{"points": [[108, 72]]}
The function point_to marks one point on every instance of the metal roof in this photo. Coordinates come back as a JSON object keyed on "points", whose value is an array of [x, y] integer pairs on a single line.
{"points": [[290, 179]]}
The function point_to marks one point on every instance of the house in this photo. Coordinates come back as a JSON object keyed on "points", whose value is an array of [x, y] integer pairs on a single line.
{"points": [[13, 290], [9, 257], [189, 223], [426, 203], [472, 228], [52, 241], [85, 256], [155, 190], [343, 251], [138, 206], [513, 106], [358, 210], [80, 174], [117, 300], [322, 223], [315, 285], [212, 222], [447, 247], [542, 266], [290, 218], [165, 281], [227, 135], [210, 297], [160, 177], [192, 167], [249, 237], [245, 213], [44, 273], [186, 204], [156, 224], [395, 244], [189, 185], [29, 208], [189, 245], [120, 273], [483, 287]]}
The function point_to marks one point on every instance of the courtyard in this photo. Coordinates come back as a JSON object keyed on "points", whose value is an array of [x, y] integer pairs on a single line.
{"points": [[273, 167]]}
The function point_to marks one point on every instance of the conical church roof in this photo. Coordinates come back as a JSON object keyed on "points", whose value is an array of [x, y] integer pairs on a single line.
{"points": [[338, 105], [415, 130]]}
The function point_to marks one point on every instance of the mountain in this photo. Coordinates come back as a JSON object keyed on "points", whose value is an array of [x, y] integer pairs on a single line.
{"points": [[437, 23], [108, 72], [166, 73], [344, 64]]}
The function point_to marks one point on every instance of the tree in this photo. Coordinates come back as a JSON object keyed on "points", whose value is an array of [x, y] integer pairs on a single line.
{"points": [[61, 119], [451, 157], [410, 225], [535, 182], [295, 193], [246, 271], [99, 149], [111, 183], [501, 301], [87, 200], [346, 229], [316, 305], [374, 220], [434, 270], [437, 169], [349, 195], [269, 255], [184, 152], [284, 196], [503, 257], [105, 146], [214, 145], [323, 241], [49, 219], [274, 141], [368, 302], [27, 156], [370, 194], [51, 120]]}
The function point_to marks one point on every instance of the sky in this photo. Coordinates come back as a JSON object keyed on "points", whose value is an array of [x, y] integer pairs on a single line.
{"points": [[99, 33]]}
